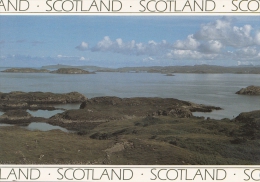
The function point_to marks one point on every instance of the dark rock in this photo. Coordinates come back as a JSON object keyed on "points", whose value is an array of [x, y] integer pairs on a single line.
{"points": [[169, 74], [16, 115], [238, 140], [115, 108], [100, 136]]}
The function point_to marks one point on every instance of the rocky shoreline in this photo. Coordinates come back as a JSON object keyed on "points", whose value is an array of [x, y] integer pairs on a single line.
{"points": [[95, 110]]}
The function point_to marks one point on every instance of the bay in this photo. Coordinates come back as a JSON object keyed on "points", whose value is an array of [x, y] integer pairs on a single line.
{"points": [[210, 89]]}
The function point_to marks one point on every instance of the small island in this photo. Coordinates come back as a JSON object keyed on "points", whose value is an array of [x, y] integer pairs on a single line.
{"points": [[37, 100], [25, 70], [169, 74], [70, 71], [250, 90]]}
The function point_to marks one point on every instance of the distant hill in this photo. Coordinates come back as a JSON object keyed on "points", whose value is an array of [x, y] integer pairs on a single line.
{"points": [[168, 69]]}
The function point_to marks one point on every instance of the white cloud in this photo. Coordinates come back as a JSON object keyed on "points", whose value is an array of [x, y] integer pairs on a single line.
{"points": [[225, 32], [190, 55], [130, 48], [245, 63], [83, 46], [212, 46], [189, 44], [247, 53], [257, 38], [148, 59], [82, 59], [214, 41]]}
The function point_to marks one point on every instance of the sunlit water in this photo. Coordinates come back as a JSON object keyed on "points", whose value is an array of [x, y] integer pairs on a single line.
{"points": [[210, 89]]}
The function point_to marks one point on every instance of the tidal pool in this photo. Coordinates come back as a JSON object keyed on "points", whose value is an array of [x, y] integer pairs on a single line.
{"points": [[44, 127], [44, 113]]}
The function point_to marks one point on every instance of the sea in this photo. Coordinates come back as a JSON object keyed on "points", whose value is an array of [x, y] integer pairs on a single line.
{"points": [[209, 89]]}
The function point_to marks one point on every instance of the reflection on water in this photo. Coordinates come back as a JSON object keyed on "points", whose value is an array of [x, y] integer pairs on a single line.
{"points": [[44, 113], [2, 124], [1, 113], [39, 126], [44, 127]]}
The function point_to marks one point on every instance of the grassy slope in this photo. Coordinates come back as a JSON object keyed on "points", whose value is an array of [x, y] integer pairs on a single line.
{"points": [[150, 140]]}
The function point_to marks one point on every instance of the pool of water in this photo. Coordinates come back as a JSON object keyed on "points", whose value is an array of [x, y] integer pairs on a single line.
{"points": [[44, 127], [44, 113], [39, 126], [217, 114], [2, 124]]}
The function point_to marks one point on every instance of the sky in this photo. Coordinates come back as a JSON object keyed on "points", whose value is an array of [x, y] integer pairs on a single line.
{"points": [[120, 41]]}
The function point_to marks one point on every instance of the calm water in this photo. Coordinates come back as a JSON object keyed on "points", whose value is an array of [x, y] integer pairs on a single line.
{"points": [[210, 89], [39, 126], [44, 127], [44, 113]]}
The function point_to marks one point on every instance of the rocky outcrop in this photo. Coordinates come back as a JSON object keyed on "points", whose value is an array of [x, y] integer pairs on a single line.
{"points": [[250, 124], [37, 100], [16, 115], [70, 71], [26, 70], [250, 90], [102, 109]]}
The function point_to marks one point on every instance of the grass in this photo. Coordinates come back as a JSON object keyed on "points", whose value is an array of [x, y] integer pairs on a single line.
{"points": [[147, 140]]}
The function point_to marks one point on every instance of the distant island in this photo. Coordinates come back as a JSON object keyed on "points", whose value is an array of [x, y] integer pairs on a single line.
{"points": [[26, 70], [70, 71], [58, 71]]}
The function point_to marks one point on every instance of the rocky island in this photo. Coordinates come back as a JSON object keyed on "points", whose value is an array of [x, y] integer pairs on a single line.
{"points": [[250, 90], [37, 100], [25, 70], [70, 71]]}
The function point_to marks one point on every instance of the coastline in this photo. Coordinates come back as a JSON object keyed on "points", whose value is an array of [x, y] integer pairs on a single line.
{"points": [[114, 130]]}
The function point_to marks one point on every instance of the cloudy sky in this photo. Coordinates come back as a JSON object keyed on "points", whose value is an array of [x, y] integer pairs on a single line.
{"points": [[117, 41]]}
